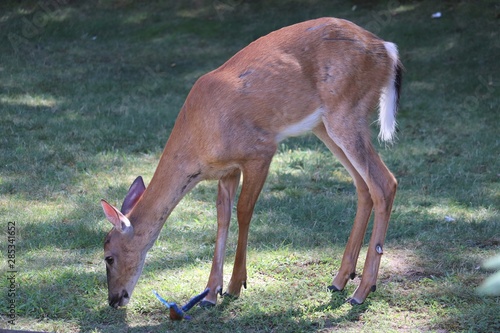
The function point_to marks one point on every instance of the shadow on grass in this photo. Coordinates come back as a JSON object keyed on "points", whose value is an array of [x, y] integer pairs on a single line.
{"points": [[255, 319]]}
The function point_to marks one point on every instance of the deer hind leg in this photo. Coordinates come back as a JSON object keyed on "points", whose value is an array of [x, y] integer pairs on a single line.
{"points": [[365, 204], [354, 139], [254, 176], [225, 199]]}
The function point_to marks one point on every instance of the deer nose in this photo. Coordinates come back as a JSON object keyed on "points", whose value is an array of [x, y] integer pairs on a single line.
{"points": [[119, 299]]}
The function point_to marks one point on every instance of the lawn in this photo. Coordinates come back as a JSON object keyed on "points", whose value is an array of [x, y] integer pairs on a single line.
{"points": [[89, 92]]}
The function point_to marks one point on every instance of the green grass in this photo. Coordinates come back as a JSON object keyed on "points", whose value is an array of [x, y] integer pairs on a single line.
{"points": [[88, 96]]}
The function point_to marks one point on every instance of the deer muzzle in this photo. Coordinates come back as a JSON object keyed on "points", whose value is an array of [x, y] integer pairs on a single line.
{"points": [[120, 299]]}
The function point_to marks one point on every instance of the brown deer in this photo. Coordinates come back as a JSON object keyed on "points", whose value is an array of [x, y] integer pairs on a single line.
{"points": [[326, 76]]}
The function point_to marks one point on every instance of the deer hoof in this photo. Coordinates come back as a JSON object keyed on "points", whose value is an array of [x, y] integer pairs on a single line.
{"points": [[353, 302], [333, 289], [206, 304], [229, 296]]}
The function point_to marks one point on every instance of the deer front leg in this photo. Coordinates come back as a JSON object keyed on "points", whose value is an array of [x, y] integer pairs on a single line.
{"points": [[225, 198], [254, 176]]}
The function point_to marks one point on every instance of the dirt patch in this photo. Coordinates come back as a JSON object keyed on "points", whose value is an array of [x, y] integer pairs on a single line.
{"points": [[400, 265]]}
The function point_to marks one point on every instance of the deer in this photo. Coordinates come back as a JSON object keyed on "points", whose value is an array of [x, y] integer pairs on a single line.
{"points": [[326, 76]]}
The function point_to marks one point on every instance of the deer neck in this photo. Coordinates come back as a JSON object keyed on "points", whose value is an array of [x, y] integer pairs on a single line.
{"points": [[177, 173]]}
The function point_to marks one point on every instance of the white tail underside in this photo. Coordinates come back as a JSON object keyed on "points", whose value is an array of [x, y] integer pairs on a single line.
{"points": [[389, 99]]}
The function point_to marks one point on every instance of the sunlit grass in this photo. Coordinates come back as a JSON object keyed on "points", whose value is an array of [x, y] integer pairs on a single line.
{"points": [[30, 100]]}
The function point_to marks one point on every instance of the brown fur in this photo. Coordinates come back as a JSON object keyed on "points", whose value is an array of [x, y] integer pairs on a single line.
{"points": [[230, 125]]}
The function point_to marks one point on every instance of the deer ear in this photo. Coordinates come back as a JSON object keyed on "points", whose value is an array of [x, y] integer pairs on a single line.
{"points": [[134, 194], [119, 221]]}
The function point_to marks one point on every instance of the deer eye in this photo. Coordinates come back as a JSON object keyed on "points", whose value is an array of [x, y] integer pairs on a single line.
{"points": [[109, 260]]}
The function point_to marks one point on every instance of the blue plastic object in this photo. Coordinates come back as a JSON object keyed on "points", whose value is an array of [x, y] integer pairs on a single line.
{"points": [[177, 313]]}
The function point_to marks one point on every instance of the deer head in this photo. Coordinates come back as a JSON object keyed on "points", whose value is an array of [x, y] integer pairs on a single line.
{"points": [[124, 259]]}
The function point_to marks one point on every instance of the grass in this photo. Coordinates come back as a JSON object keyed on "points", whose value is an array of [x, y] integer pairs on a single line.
{"points": [[89, 93]]}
